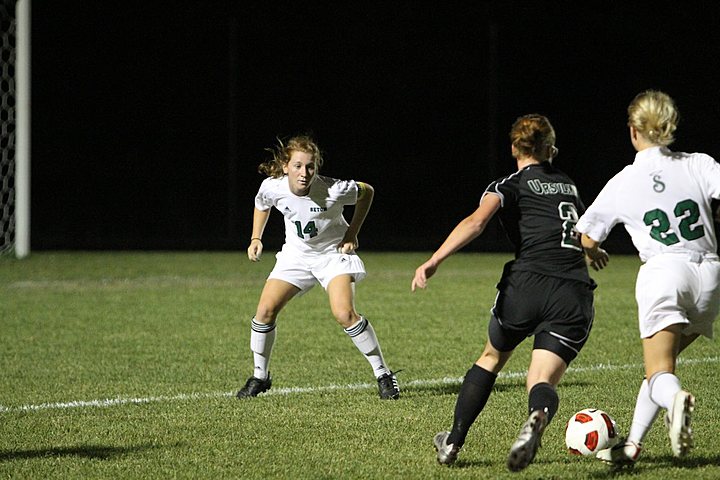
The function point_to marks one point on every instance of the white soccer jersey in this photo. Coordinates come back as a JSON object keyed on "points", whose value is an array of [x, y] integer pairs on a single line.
{"points": [[663, 199], [313, 223]]}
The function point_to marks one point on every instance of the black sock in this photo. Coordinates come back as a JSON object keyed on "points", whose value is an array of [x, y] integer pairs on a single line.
{"points": [[543, 397], [474, 394]]}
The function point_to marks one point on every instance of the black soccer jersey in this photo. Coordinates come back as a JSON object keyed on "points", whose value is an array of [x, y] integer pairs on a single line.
{"points": [[540, 207]]}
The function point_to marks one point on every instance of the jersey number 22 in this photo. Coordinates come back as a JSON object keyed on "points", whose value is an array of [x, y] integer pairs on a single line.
{"points": [[660, 223]]}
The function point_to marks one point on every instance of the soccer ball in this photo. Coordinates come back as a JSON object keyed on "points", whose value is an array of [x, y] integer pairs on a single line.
{"points": [[589, 431]]}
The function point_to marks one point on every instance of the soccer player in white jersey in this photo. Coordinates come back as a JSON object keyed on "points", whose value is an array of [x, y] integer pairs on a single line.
{"points": [[319, 248], [663, 199]]}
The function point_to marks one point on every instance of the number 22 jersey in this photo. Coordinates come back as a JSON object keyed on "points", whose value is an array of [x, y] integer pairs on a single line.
{"points": [[663, 199]]}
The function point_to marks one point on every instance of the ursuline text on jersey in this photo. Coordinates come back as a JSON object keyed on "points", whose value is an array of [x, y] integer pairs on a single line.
{"points": [[552, 188]]}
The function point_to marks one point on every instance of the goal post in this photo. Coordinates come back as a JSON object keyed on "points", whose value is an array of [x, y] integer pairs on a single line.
{"points": [[15, 128], [22, 150]]}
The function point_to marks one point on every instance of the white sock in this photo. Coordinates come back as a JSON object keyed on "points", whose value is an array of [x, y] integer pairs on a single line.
{"points": [[363, 336], [262, 338], [663, 387], [645, 413]]}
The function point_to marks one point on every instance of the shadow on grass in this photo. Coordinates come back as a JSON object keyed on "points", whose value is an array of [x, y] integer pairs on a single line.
{"points": [[460, 463], [87, 451], [501, 385], [651, 463], [454, 388], [567, 382]]}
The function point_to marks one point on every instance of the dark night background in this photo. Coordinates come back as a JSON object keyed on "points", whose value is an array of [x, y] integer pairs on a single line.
{"points": [[150, 118]]}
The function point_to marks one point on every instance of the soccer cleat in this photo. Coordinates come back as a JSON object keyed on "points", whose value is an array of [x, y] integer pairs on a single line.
{"points": [[677, 420], [254, 386], [446, 453], [523, 450], [624, 453], [388, 387]]}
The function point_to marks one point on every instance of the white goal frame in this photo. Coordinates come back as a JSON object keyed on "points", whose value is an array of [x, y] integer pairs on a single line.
{"points": [[22, 131]]}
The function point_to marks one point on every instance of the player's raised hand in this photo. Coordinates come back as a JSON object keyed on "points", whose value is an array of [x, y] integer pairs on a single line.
{"points": [[255, 249]]}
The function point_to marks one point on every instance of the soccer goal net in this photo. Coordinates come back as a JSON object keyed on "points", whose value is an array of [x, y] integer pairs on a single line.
{"points": [[7, 117], [14, 128]]}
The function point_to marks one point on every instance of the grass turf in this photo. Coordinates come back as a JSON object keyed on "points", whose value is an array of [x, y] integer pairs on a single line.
{"points": [[124, 365]]}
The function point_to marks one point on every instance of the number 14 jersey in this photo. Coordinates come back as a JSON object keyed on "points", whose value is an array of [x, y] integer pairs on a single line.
{"points": [[314, 223]]}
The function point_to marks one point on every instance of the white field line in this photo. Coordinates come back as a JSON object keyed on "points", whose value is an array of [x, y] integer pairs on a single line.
{"points": [[111, 402]]}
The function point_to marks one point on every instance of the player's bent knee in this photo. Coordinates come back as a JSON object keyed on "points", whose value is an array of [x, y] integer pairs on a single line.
{"points": [[346, 318], [266, 314]]}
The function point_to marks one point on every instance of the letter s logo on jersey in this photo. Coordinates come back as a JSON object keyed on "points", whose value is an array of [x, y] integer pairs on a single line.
{"points": [[658, 185]]}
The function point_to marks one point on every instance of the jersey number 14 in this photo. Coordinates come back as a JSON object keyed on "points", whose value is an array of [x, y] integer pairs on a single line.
{"points": [[309, 229]]}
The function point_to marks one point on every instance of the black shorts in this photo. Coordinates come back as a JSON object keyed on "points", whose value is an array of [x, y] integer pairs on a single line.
{"points": [[557, 311]]}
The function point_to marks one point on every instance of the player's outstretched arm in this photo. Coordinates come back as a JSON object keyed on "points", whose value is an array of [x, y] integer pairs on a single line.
{"points": [[467, 230], [423, 273]]}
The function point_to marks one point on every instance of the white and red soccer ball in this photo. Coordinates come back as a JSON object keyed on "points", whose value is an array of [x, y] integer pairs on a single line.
{"points": [[589, 431]]}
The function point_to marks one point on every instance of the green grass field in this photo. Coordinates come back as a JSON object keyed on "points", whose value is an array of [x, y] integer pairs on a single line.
{"points": [[124, 365]]}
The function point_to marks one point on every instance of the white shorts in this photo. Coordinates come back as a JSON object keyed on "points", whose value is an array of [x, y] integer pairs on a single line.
{"points": [[305, 271], [672, 289]]}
